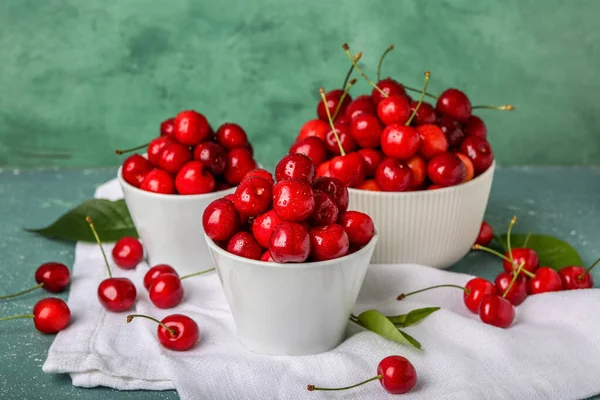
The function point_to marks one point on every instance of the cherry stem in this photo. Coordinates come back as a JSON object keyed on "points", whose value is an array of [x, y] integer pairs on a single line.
{"points": [[17, 316], [322, 91], [403, 295], [514, 279], [419, 91], [342, 97], [91, 224], [526, 241], [119, 152], [427, 76], [354, 60], [310, 388], [502, 256], [348, 76], [510, 226], [196, 274], [10, 296], [505, 107], [587, 271], [132, 316], [385, 53]]}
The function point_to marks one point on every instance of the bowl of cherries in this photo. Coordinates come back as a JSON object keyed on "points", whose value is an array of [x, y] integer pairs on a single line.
{"points": [[183, 170], [290, 256], [423, 171]]}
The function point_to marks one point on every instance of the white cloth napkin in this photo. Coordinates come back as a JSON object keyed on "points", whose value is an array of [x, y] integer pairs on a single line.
{"points": [[551, 352]]}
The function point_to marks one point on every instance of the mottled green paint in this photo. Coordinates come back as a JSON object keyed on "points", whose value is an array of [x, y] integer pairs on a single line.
{"points": [[81, 78]]}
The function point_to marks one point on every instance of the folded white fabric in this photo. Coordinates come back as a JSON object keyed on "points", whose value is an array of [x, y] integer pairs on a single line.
{"points": [[551, 352]]}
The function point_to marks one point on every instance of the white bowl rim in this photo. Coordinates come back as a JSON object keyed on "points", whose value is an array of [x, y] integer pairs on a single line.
{"points": [[485, 174], [304, 265]]}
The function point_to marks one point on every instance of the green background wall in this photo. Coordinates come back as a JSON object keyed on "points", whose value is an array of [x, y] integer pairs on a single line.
{"points": [[79, 78]]}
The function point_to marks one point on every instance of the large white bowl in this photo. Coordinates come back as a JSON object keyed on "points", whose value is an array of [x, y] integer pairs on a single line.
{"points": [[291, 309], [170, 226], [428, 227]]}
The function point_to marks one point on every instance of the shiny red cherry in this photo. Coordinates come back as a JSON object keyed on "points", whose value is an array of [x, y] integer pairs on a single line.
{"points": [[231, 136], [290, 242], [452, 130], [497, 311], [263, 226], [388, 86], [446, 169], [158, 181], [475, 290], [433, 141], [328, 242], [175, 332], [326, 211], [117, 294], [525, 256], [359, 227], [50, 315], [156, 146], [454, 103], [167, 127], [398, 375], [479, 151], [425, 114], [314, 127], [333, 100], [244, 245], [253, 196], [312, 147], [194, 178], [239, 163], [518, 291], [335, 189], [135, 168], [400, 141], [260, 173], [475, 127], [366, 130], [576, 277], [349, 169], [155, 272], [361, 105], [371, 160], [486, 234], [295, 166], [418, 168], [128, 252], [221, 220], [173, 156], [212, 155], [191, 128], [53, 276], [166, 291], [393, 175], [345, 138], [545, 280], [293, 200], [394, 110]]}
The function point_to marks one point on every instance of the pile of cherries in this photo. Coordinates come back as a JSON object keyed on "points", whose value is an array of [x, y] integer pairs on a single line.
{"points": [[386, 141], [522, 277], [290, 219], [190, 158]]}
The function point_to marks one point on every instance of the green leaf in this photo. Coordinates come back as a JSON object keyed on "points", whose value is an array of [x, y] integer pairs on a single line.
{"points": [[378, 323], [553, 252], [413, 317], [111, 219]]}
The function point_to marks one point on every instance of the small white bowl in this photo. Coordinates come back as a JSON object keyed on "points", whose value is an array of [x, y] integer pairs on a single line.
{"points": [[291, 309], [170, 226], [428, 227]]}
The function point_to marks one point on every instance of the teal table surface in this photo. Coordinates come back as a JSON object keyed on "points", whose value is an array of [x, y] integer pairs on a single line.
{"points": [[559, 201]]}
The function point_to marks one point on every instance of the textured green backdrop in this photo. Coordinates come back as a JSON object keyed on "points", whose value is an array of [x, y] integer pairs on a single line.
{"points": [[81, 78]]}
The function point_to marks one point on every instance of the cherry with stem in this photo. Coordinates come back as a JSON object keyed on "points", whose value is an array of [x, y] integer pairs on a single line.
{"points": [[335, 133], [587, 271], [342, 97], [176, 331], [347, 78], [31, 289], [196, 274], [423, 92], [354, 60], [130, 318], [385, 53], [494, 252]]}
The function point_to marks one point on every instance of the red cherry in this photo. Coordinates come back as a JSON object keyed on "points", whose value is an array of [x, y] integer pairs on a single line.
{"points": [[475, 127], [425, 114], [398, 375], [452, 130], [486, 234], [525, 256], [361, 105], [497, 311], [454, 103], [290, 242], [260, 173], [359, 227], [239, 163], [446, 169], [266, 257], [293, 200], [314, 127], [167, 127], [173, 156], [191, 128], [400, 141], [479, 151], [117, 294], [326, 211], [328, 242], [517, 293], [50, 315], [366, 130], [231, 136], [333, 99], [335, 189], [295, 166], [155, 272], [388, 86], [393, 175], [468, 166], [346, 139], [221, 220], [253, 196], [156, 146], [475, 290], [545, 280], [371, 160], [418, 168], [128, 252], [158, 181], [175, 332], [263, 226], [135, 169], [193, 178], [212, 155], [312, 147], [394, 110], [348, 168], [244, 245], [166, 291], [575, 277], [433, 141], [370, 185], [53, 276], [323, 170]]}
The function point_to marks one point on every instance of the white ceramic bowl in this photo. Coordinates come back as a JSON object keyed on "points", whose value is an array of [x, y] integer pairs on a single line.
{"points": [[429, 227], [170, 226], [291, 309]]}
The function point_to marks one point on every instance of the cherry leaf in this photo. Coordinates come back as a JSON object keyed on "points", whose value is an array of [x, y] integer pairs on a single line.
{"points": [[553, 252], [413, 317], [378, 323]]}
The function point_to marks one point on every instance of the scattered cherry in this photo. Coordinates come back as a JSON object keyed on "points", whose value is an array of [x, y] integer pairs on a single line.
{"points": [[51, 276], [497, 311], [166, 290], [175, 332], [156, 271], [50, 315], [128, 252], [575, 277]]}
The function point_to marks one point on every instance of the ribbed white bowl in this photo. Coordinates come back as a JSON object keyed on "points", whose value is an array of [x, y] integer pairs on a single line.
{"points": [[429, 227]]}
